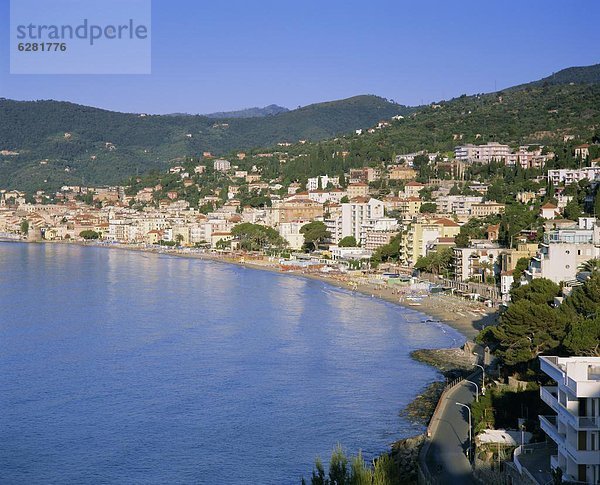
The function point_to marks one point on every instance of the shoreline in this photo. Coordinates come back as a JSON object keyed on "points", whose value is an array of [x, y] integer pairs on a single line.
{"points": [[467, 317]]}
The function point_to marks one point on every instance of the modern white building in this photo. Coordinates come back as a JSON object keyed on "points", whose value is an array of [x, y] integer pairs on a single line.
{"points": [[338, 253], [489, 152], [564, 250], [222, 165], [569, 176], [575, 428], [324, 180], [357, 213], [290, 231]]}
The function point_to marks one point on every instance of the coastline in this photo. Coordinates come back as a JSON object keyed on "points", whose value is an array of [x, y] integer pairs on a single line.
{"points": [[467, 317], [464, 316]]}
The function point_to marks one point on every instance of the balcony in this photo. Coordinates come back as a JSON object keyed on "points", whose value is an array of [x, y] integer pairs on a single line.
{"points": [[549, 426], [549, 365], [589, 388], [587, 457], [549, 395], [588, 423]]}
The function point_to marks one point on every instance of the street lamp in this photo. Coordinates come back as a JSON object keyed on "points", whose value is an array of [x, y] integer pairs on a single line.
{"points": [[482, 379], [476, 389], [469, 412]]}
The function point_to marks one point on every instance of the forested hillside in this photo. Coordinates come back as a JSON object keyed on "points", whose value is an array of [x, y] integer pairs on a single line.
{"points": [[542, 115], [59, 142], [53, 143]]}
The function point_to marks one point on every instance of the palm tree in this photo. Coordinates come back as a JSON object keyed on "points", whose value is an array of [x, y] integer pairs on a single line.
{"points": [[486, 266], [590, 266]]}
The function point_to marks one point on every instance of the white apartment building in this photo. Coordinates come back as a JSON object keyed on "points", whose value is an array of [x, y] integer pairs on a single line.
{"points": [[457, 204], [378, 232], [324, 196], [334, 226], [576, 426], [475, 261], [357, 213], [569, 176], [221, 165], [506, 281], [313, 182], [487, 153], [409, 158], [121, 230], [564, 250], [338, 253], [290, 231]]}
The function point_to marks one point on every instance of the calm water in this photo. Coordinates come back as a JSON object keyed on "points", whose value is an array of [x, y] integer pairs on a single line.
{"points": [[124, 367]]}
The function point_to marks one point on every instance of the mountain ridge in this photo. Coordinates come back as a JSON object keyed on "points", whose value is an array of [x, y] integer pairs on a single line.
{"points": [[75, 144], [270, 110], [80, 144]]}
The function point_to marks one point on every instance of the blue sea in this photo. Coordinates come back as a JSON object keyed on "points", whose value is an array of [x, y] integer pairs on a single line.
{"points": [[127, 367]]}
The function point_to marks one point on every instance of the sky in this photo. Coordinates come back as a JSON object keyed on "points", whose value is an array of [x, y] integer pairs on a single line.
{"points": [[231, 54]]}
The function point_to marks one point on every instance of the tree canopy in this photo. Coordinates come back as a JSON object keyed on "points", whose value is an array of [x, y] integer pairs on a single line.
{"points": [[254, 237], [314, 233], [531, 326], [348, 242]]}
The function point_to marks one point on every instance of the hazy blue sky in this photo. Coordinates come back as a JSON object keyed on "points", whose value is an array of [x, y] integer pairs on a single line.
{"points": [[230, 54]]}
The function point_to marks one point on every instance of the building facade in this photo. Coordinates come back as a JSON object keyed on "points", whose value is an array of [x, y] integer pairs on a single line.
{"points": [[575, 428]]}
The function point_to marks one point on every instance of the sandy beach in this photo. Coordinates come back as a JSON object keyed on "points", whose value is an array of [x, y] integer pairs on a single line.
{"points": [[468, 317]]}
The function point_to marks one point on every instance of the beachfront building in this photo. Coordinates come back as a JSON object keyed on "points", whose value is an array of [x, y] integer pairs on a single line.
{"points": [[564, 250], [290, 231], [421, 235], [378, 232], [349, 254], [575, 428], [509, 257], [359, 214], [293, 209], [476, 262]]}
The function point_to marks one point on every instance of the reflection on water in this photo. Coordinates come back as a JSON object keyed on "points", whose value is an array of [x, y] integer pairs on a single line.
{"points": [[125, 367]]}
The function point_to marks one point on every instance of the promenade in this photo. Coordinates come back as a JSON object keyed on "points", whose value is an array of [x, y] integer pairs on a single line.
{"points": [[446, 456]]}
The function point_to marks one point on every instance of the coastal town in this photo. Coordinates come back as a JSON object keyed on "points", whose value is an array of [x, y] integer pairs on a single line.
{"points": [[315, 243], [497, 239], [354, 218], [444, 243]]}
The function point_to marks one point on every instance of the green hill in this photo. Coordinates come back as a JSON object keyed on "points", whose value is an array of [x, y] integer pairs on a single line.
{"points": [[61, 143], [270, 110], [575, 75], [535, 115]]}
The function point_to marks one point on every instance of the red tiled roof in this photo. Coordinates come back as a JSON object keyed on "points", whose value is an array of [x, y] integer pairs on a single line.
{"points": [[446, 222]]}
